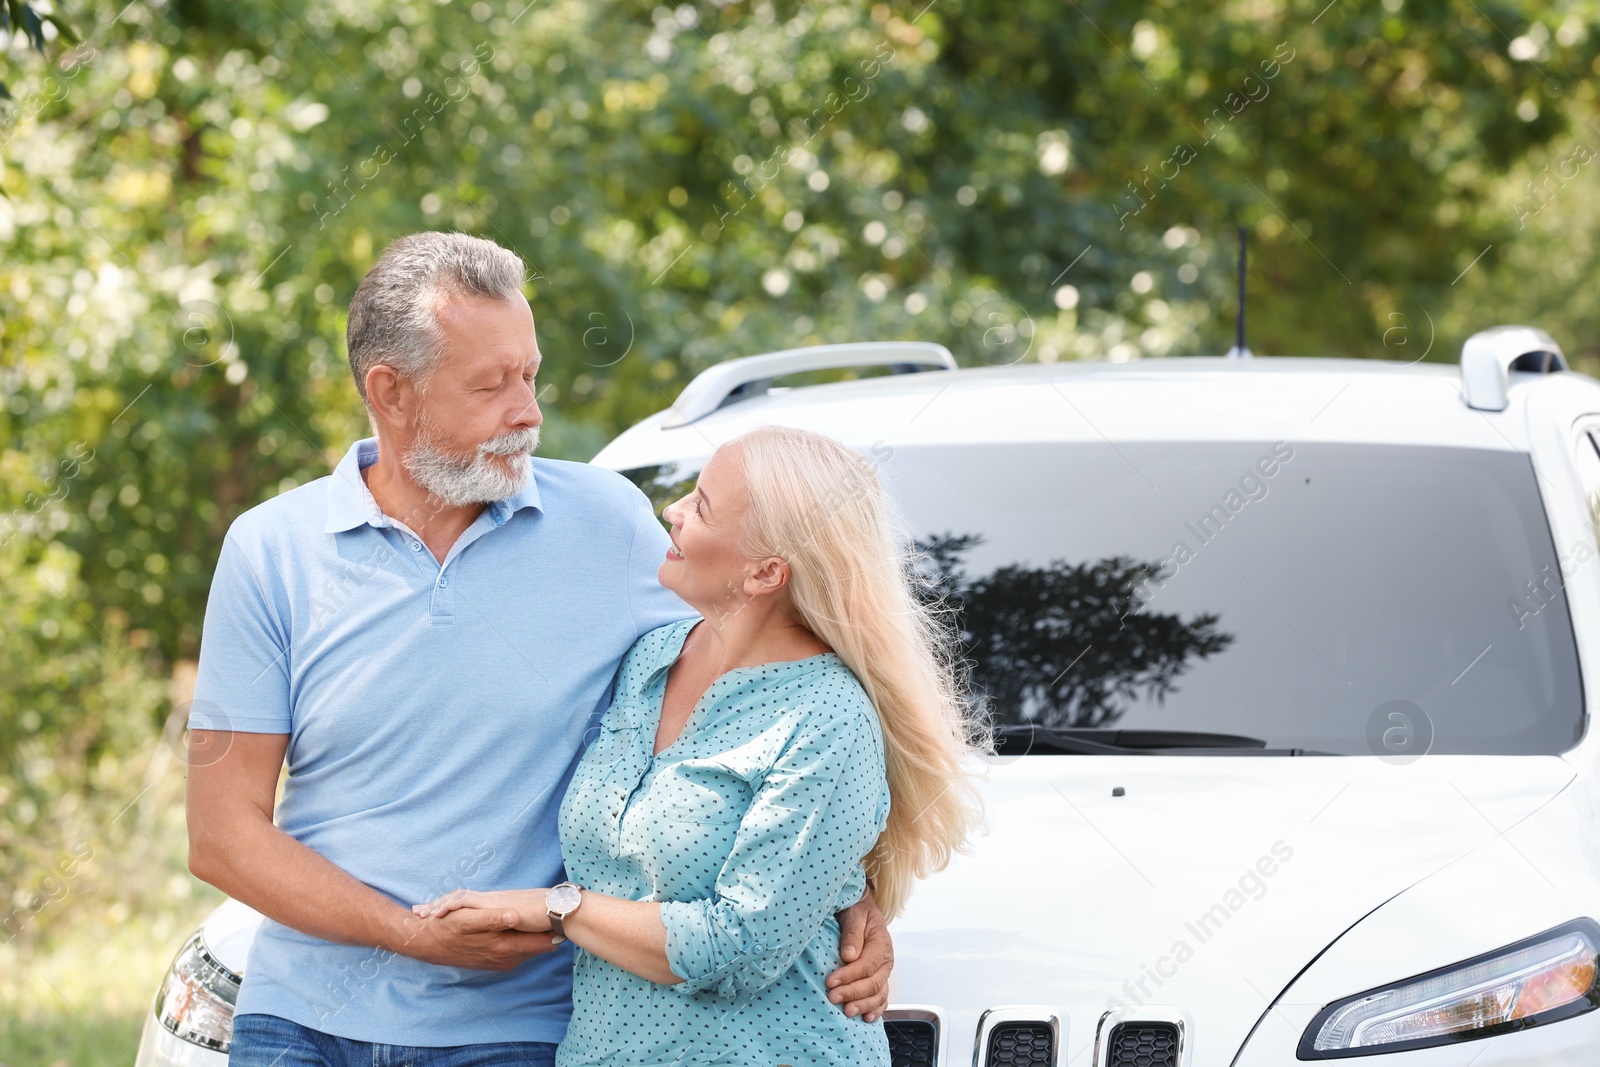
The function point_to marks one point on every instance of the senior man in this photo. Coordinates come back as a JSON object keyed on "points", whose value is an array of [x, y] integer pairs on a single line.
{"points": [[429, 636]]}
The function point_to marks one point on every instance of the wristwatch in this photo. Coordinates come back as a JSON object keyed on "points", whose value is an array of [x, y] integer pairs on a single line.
{"points": [[560, 901]]}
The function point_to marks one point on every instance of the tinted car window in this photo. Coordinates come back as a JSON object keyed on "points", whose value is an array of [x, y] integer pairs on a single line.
{"points": [[1298, 594]]}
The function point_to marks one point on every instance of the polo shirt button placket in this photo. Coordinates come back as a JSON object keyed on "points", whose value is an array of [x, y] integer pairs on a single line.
{"points": [[441, 602]]}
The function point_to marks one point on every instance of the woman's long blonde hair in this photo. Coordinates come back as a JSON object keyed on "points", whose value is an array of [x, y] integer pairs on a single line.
{"points": [[854, 583]]}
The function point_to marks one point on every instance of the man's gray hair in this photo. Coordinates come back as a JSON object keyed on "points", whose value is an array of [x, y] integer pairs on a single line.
{"points": [[392, 316]]}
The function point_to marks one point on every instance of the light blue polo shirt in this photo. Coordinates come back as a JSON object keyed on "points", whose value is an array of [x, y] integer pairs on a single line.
{"points": [[435, 714]]}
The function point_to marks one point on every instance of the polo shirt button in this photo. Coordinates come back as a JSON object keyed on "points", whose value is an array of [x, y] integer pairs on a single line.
{"points": [[441, 583], [416, 546]]}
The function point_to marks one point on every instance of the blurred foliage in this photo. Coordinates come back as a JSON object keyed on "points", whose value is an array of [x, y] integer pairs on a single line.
{"points": [[194, 189], [37, 25]]}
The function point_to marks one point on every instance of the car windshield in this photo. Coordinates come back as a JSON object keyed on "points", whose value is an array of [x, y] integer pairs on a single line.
{"points": [[1317, 597]]}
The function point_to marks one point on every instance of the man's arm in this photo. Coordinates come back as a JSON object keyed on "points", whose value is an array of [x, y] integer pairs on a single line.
{"points": [[235, 846], [861, 985]]}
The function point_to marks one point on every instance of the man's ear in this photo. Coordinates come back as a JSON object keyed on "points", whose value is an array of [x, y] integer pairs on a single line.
{"points": [[391, 398]]}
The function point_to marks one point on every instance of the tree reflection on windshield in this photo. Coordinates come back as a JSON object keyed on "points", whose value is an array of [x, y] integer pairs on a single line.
{"points": [[1064, 645]]}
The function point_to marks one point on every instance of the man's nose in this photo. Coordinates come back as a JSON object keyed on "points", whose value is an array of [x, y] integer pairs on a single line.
{"points": [[528, 415]]}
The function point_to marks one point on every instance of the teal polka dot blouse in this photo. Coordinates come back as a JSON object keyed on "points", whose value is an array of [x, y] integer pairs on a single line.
{"points": [[750, 828]]}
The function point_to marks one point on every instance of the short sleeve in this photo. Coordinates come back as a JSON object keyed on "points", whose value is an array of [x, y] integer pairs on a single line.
{"points": [[795, 859], [242, 681]]}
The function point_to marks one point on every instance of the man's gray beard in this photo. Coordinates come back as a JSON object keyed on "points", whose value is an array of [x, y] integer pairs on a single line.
{"points": [[481, 479]]}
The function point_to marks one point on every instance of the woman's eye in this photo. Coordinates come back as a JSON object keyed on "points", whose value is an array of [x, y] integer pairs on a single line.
{"points": [[697, 505]]}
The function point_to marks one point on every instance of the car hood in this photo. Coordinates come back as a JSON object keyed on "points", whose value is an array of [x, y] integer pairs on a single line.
{"points": [[1206, 885]]}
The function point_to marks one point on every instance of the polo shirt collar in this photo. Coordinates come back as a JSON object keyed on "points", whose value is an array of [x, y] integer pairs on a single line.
{"points": [[350, 502]]}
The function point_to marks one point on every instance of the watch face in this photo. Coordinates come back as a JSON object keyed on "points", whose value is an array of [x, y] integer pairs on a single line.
{"points": [[563, 898]]}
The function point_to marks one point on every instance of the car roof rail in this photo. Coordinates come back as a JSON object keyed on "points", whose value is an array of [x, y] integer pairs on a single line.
{"points": [[740, 379], [1489, 357]]}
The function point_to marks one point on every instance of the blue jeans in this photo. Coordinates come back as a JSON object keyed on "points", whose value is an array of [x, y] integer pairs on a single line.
{"points": [[268, 1041]]}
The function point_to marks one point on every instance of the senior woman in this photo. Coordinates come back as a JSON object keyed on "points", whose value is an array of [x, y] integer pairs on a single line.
{"points": [[757, 766]]}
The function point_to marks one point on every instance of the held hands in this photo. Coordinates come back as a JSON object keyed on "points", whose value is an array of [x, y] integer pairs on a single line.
{"points": [[480, 939], [509, 909], [860, 986]]}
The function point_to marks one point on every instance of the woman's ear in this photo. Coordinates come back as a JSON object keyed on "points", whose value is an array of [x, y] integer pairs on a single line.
{"points": [[770, 576]]}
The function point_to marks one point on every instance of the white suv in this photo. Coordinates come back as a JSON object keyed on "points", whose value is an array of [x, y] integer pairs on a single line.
{"points": [[1289, 657]]}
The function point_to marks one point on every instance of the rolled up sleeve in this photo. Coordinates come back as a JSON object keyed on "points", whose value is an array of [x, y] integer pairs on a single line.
{"points": [[795, 859]]}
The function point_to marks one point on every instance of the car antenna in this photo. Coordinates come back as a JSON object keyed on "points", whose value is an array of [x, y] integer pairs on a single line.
{"points": [[1240, 350]]}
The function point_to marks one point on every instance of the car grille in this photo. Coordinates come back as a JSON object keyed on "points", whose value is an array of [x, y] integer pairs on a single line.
{"points": [[1143, 1045], [1022, 1044], [912, 1042]]}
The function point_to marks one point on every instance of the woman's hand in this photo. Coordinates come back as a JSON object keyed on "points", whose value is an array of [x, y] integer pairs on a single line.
{"points": [[524, 909]]}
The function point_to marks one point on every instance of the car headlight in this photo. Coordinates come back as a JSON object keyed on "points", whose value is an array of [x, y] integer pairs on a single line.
{"points": [[197, 997], [1541, 979]]}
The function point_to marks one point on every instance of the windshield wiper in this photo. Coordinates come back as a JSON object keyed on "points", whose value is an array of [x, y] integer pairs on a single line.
{"points": [[1087, 741]]}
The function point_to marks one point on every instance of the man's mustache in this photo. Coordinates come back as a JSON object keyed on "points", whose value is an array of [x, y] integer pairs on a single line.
{"points": [[511, 444]]}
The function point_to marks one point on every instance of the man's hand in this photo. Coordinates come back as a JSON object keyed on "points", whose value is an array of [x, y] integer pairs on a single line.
{"points": [[482, 939], [862, 983]]}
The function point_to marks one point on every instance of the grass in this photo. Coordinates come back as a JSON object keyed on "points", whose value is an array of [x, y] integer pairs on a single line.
{"points": [[75, 990], [68, 1041]]}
